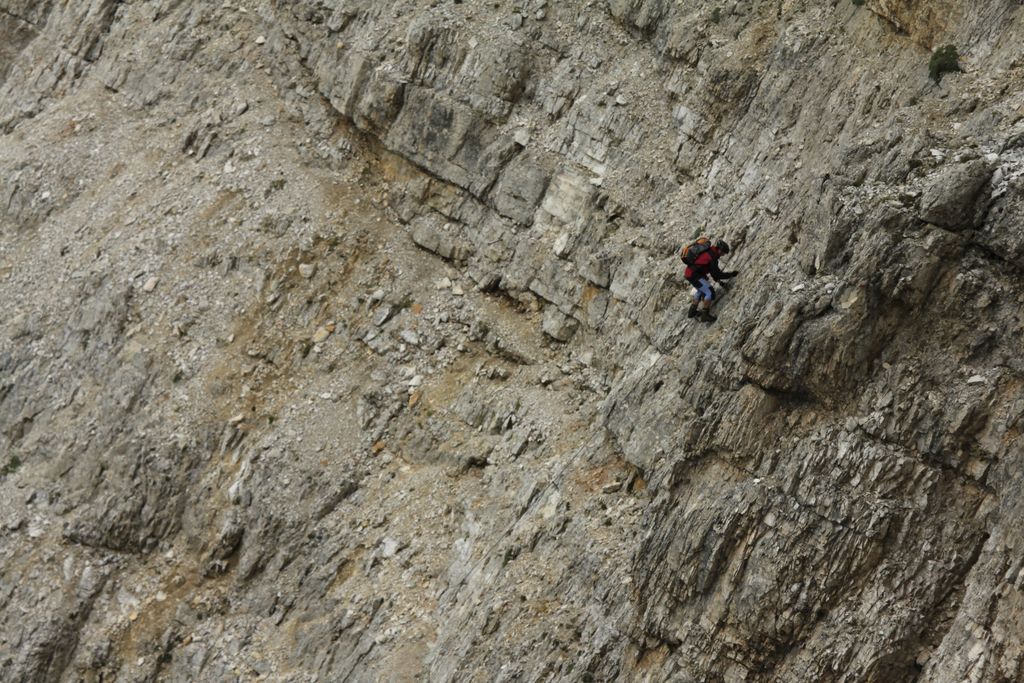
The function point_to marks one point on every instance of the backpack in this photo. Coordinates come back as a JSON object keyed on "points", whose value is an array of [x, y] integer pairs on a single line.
{"points": [[690, 252]]}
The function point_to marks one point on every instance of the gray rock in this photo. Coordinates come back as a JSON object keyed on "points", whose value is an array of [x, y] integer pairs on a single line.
{"points": [[383, 315], [559, 326], [434, 239], [956, 197]]}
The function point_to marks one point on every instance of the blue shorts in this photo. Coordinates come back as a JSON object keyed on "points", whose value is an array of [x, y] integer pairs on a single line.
{"points": [[702, 289]]}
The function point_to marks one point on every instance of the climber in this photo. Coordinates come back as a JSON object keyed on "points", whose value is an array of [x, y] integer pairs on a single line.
{"points": [[701, 259]]}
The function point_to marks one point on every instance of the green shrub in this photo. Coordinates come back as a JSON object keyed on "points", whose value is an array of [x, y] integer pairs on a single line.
{"points": [[11, 466], [716, 15], [858, 3], [944, 60]]}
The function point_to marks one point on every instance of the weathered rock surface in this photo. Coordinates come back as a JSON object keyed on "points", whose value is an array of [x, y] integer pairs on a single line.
{"points": [[956, 197], [347, 340]]}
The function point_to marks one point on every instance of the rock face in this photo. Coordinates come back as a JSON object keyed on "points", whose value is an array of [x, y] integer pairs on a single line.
{"points": [[957, 196], [347, 340]]}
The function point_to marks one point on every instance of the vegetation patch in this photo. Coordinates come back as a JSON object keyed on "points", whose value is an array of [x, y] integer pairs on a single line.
{"points": [[12, 465], [944, 60]]}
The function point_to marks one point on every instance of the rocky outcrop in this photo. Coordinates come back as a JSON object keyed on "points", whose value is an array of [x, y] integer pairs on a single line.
{"points": [[957, 196], [348, 341]]}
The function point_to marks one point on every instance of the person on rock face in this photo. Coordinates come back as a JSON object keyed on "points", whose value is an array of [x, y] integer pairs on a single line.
{"points": [[701, 259]]}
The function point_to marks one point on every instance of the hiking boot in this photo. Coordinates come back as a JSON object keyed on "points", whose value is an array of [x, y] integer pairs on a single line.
{"points": [[693, 311], [706, 317]]}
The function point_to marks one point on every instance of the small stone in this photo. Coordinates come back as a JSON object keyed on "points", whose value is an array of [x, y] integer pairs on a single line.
{"points": [[389, 547], [612, 487], [410, 337], [416, 381], [516, 21], [237, 419], [976, 379], [444, 283], [457, 290], [321, 335], [558, 325], [383, 315], [151, 284], [307, 270], [561, 246], [260, 40], [235, 492], [798, 288], [621, 101]]}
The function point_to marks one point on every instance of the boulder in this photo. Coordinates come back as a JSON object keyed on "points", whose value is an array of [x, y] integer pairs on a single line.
{"points": [[559, 326], [955, 198]]}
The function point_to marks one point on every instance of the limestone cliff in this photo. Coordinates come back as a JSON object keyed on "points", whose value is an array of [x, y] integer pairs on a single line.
{"points": [[347, 340]]}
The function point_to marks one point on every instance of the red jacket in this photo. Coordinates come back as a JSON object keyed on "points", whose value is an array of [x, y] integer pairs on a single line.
{"points": [[706, 264]]}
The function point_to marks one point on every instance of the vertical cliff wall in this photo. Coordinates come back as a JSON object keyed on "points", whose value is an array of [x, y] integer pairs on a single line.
{"points": [[347, 340]]}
